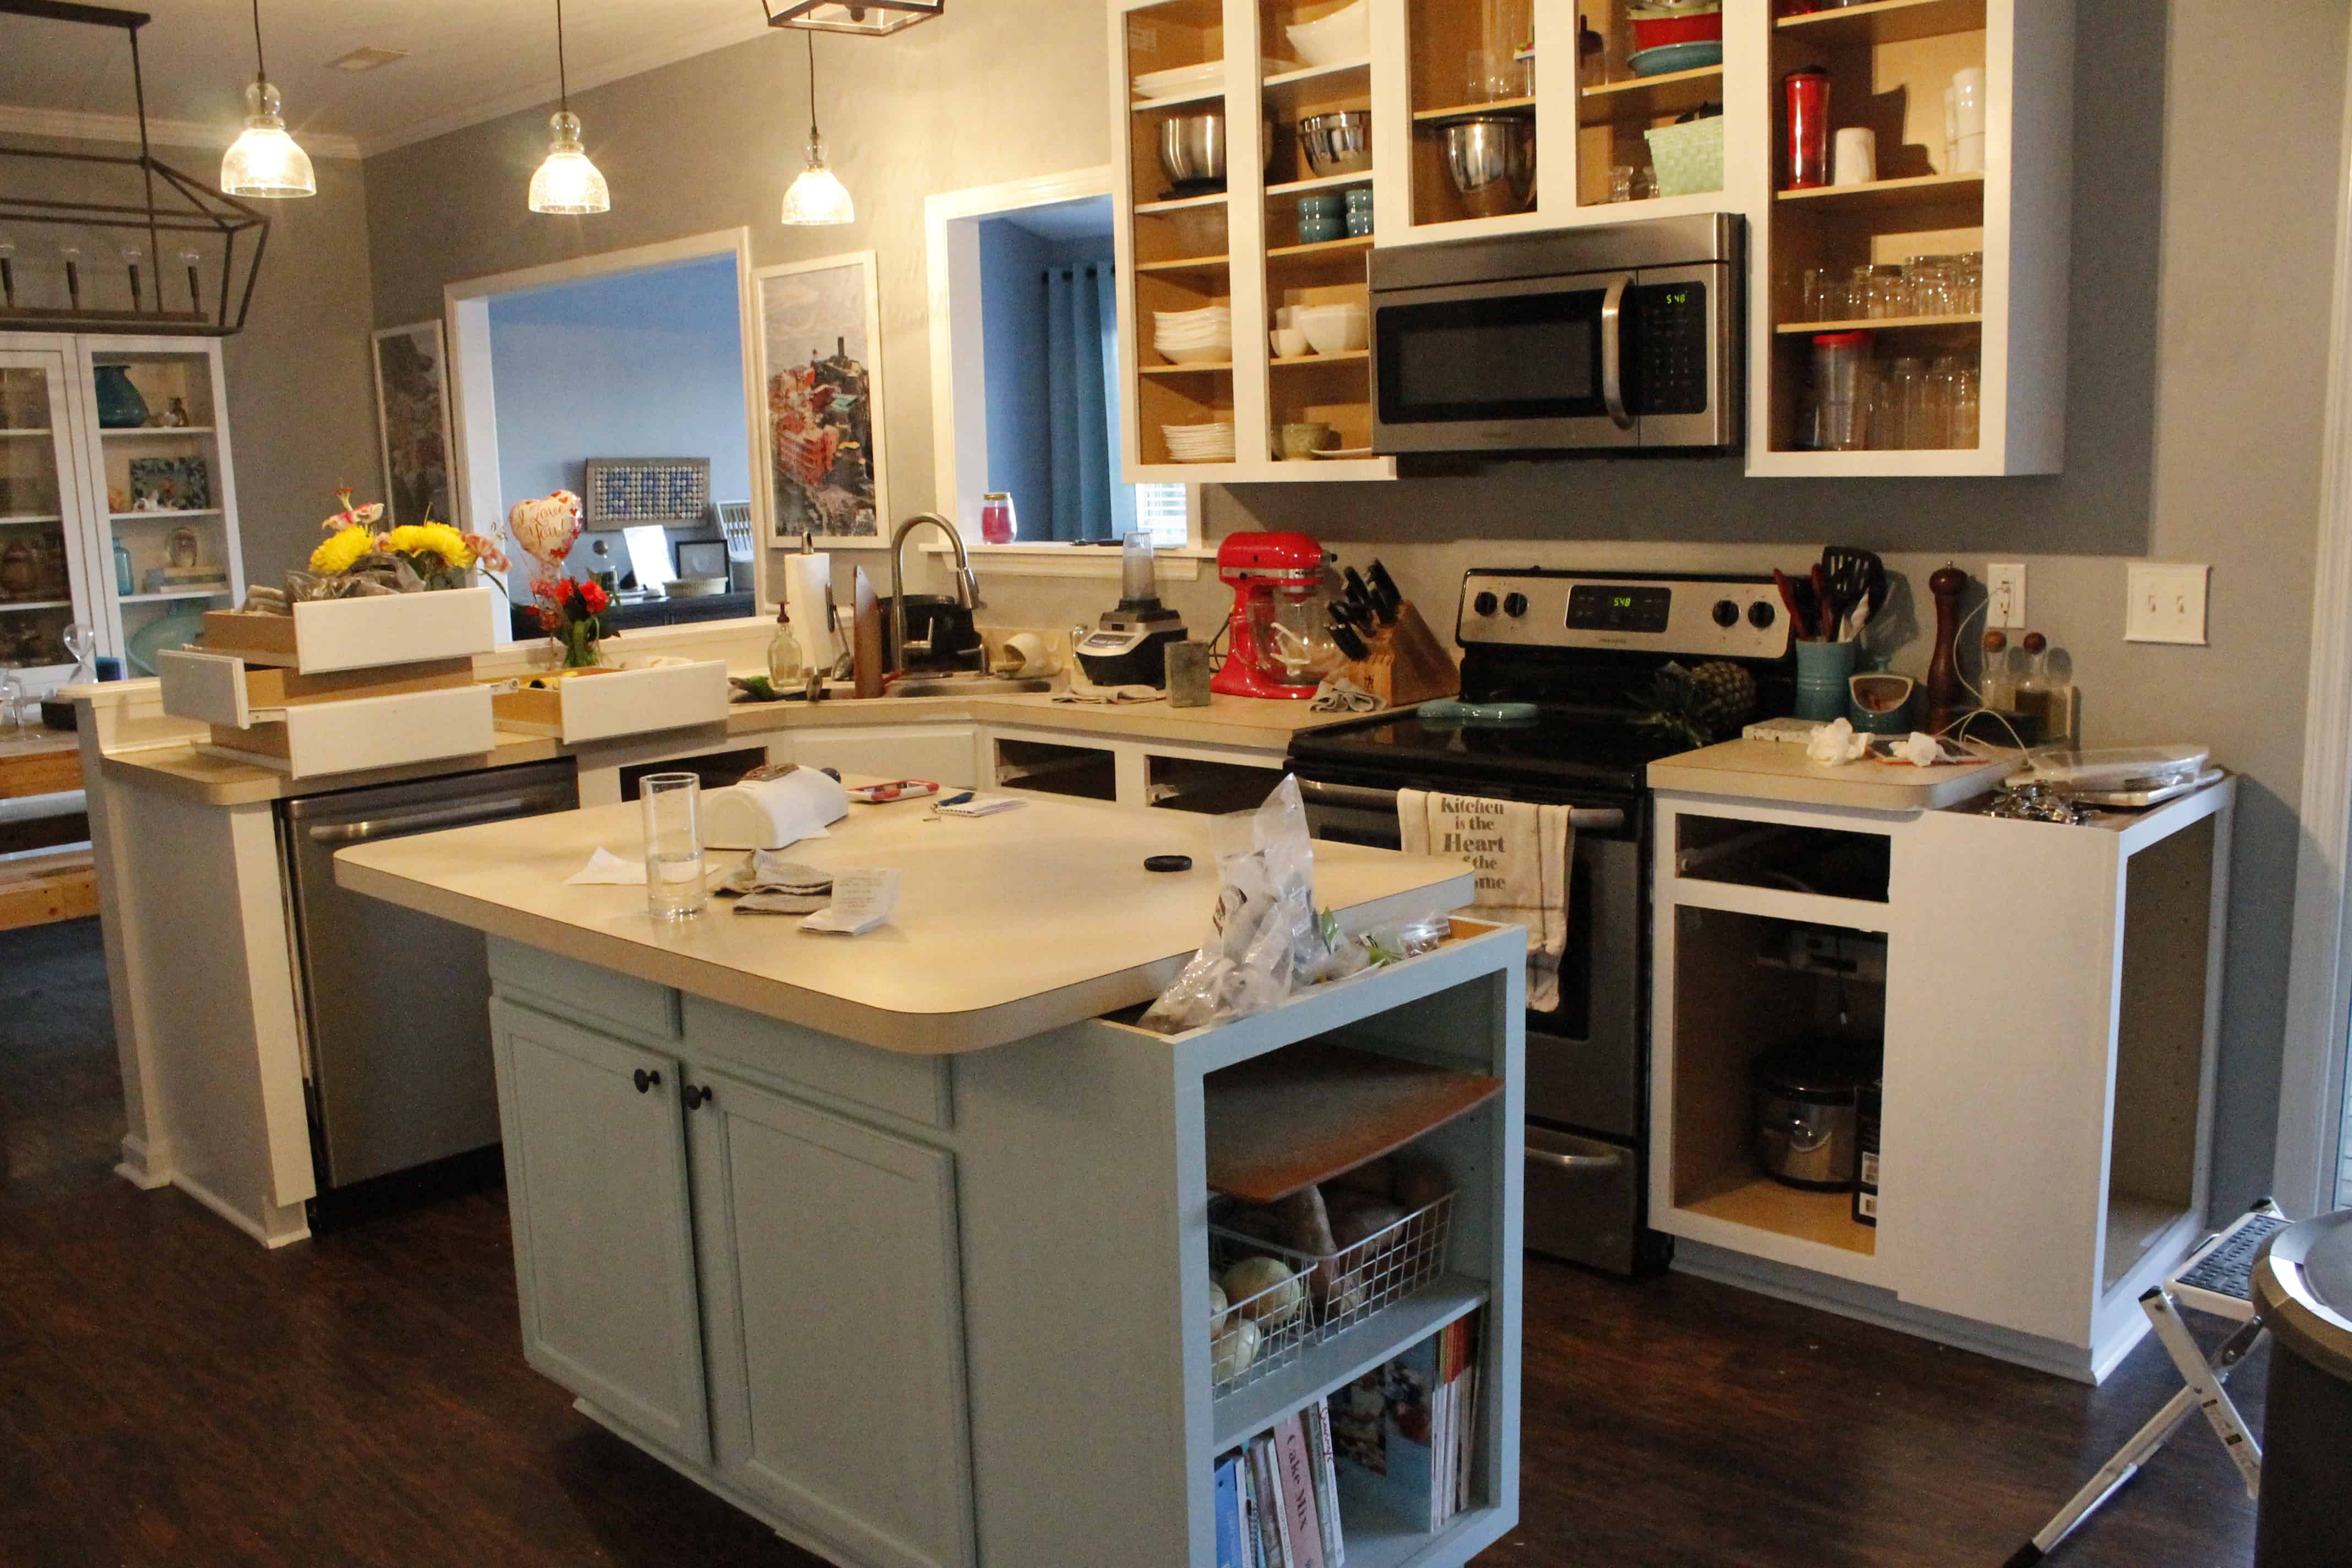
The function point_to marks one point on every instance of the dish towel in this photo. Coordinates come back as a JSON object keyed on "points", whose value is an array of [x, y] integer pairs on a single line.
{"points": [[1083, 690], [1521, 856]]}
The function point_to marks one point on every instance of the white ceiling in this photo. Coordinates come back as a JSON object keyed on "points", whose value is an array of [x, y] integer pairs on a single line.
{"points": [[469, 60]]}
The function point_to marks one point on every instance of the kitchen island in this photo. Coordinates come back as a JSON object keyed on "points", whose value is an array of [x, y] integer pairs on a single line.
{"points": [[901, 1242]]}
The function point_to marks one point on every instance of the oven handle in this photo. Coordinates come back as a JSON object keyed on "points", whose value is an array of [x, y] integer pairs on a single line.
{"points": [[1612, 353], [1613, 1160], [1584, 819]]}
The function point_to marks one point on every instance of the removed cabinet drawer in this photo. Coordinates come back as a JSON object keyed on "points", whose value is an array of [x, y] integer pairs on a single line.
{"points": [[308, 732], [328, 635], [224, 688], [595, 704]]}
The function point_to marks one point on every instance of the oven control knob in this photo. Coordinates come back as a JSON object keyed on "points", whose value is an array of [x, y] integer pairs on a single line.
{"points": [[1727, 614], [1484, 603], [1514, 604], [1761, 615]]}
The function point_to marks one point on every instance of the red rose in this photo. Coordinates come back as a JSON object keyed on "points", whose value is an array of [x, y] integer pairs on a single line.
{"points": [[593, 596]]}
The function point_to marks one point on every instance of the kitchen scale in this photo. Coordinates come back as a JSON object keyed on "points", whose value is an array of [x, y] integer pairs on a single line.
{"points": [[1128, 647]]}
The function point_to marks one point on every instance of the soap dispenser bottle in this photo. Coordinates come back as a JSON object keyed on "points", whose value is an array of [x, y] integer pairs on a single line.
{"points": [[785, 662]]}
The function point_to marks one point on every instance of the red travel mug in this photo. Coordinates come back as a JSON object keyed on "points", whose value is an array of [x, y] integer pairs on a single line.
{"points": [[1808, 128]]}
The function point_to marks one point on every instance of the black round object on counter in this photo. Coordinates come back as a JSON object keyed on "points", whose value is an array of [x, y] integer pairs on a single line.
{"points": [[1167, 862]]}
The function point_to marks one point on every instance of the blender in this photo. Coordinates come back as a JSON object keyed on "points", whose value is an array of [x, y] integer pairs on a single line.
{"points": [[1278, 646], [1128, 647]]}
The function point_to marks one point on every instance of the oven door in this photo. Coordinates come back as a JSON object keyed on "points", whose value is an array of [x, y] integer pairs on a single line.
{"points": [[1524, 365]]}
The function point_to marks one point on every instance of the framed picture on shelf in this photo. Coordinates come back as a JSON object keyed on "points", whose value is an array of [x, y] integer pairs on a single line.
{"points": [[820, 339], [170, 484], [412, 400]]}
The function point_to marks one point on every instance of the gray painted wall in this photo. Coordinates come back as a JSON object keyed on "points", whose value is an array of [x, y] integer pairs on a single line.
{"points": [[2206, 170]]}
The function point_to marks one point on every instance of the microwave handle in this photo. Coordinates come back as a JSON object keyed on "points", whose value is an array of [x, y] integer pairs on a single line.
{"points": [[1612, 353]]}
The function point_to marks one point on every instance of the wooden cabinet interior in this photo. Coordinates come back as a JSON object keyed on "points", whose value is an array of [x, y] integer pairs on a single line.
{"points": [[1615, 108], [1444, 38]]}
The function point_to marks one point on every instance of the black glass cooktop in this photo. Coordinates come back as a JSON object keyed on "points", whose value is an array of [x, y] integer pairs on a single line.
{"points": [[1563, 748]]}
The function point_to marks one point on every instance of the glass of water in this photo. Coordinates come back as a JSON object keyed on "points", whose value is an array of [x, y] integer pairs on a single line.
{"points": [[673, 805]]}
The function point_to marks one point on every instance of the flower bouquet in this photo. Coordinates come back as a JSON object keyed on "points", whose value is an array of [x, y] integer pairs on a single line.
{"points": [[570, 609], [357, 562]]}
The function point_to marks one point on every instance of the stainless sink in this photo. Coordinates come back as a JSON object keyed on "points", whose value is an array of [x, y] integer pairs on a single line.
{"points": [[973, 685]]}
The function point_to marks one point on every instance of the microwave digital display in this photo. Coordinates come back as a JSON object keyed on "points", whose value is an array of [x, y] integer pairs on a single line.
{"points": [[1618, 607]]}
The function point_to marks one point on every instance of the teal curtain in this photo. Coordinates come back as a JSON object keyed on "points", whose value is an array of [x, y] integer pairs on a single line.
{"points": [[1082, 405]]}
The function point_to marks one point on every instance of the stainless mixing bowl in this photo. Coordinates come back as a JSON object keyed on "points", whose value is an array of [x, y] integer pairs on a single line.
{"points": [[1337, 143], [1193, 147], [1491, 159]]}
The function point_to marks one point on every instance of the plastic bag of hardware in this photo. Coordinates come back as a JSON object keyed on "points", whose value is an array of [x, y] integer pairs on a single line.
{"points": [[1266, 927], [1342, 954]]}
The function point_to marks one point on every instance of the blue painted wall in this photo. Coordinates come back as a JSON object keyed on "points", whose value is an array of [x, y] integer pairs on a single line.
{"points": [[1012, 328], [647, 365]]}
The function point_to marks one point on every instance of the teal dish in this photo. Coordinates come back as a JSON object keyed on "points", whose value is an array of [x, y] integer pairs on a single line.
{"points": [[1666, 57], [171, 630]]}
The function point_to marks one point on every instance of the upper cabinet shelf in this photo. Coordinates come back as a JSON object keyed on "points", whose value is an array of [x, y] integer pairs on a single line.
{"points": [[1886, 22]]}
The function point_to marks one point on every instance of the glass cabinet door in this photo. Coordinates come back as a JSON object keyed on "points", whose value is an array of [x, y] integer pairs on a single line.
{"points": [[42, 589]]}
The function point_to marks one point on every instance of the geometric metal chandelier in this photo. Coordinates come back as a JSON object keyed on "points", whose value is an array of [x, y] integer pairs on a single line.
{"points": [[864, 18]]}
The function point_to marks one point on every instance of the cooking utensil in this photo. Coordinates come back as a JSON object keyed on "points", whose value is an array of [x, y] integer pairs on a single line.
{"points": [[1345, 636], [1340, 142], [1192, 148], [1825, 612], [1805, 1095], [1386, 597], [1491, 159], [1353, 583]]}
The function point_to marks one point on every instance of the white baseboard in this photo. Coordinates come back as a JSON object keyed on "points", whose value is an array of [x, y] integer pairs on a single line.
{"points": [[238, 1217], [1869, 1304], [144, 1168]]}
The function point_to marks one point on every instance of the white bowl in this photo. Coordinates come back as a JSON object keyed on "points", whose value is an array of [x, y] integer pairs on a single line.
{"points": [[1178, 81], [1333, 330], [1215, 315], [1288, 343], [1197, 353], [1344, 35]]}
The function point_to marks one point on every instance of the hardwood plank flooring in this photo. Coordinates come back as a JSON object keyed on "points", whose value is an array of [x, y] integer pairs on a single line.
{"points": [[171, 1394]]}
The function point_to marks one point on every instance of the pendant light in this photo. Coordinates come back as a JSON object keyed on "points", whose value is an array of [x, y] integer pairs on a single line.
{"points": [[263, 161], [817, 197], [567, 181], [867, 19]]}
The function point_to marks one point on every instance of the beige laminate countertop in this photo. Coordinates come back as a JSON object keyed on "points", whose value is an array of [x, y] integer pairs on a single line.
{"points": [[1255, 723], [1007, 926], [1778, 770]]}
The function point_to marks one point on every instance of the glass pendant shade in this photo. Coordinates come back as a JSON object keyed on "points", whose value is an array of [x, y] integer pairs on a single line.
{"points": [[263, 161], [567, 181], [866, 18], [818, 197]]}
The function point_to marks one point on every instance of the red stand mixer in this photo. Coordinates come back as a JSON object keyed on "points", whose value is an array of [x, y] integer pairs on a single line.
{"points": [[1274, 576]]}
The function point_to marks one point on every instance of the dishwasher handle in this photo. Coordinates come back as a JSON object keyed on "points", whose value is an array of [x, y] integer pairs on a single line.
{"points": [[1613, 1161], [375, 828], [1584, 819]]}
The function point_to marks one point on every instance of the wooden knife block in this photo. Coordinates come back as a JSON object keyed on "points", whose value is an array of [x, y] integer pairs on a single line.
{"points": [[1406, 664]]}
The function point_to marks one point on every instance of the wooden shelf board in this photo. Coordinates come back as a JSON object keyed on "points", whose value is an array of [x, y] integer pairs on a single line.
{"points": [[1340, 1359], [29, 520], [1918, 191], [2134, 1224], [22, 607], [46, 888], [1287, 1119], [1320, 183], [1181, 204], [1344, 356], [1186, 264], [1463, 111], [1353, 245], [1182, 99], [1763, 1203], [136, 430], [1886, 22], [1670, 92], [1202, 367], [163, 516], [1316, 73], [1887, 324], [220, 593], [1381, 1540], [7, 433]]}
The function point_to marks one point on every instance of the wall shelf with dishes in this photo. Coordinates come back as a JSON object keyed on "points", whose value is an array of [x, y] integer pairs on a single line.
{"points": [[1908, 313]]}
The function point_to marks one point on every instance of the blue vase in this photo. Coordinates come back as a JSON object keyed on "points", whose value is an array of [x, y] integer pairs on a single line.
{"points": [[119, 406]]}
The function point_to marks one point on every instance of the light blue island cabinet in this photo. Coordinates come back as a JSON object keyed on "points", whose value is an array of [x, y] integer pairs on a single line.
{"points": [[933, 1289]]}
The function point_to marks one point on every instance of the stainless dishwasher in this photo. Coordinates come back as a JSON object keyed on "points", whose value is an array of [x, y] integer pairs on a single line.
{"points": [[394, 1005]]}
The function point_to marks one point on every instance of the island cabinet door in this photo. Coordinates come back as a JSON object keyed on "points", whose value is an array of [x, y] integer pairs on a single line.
{"points": [[832, 1303], [597, 1187]]}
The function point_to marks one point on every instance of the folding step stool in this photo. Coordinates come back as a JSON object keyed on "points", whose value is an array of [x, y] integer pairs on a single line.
{"points": [[2218, 1279]]}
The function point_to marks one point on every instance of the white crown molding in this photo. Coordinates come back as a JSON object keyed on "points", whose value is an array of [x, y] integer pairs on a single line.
{"points": [[543, 92], [75, 125]]}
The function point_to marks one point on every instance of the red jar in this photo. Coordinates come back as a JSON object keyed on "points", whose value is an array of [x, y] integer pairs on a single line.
{"points": [[1808, 128]]}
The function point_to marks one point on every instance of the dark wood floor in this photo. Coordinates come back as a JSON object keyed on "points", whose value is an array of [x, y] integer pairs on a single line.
{"points": [[170, 1394]]}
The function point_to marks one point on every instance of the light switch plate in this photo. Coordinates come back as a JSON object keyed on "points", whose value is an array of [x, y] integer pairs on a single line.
{"points": [[2005, 594], [2167, 603]]}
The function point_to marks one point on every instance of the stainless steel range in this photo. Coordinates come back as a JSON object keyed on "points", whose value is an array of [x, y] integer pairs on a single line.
{"points": [[1582, 648]]}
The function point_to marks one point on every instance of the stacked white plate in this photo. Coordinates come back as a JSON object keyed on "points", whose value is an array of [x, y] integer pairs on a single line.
{"points": [[1190, 337], [1199, 443]]}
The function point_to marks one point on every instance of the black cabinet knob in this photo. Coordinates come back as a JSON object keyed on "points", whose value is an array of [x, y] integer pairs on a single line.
{"points": [[696, 1096], [1484, 603], [1761, 615], [1727, 614], [646, 1080], [1514, 604]]}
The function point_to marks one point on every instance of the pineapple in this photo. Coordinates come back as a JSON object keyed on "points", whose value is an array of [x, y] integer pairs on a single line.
{"points": [[1699, 706]]}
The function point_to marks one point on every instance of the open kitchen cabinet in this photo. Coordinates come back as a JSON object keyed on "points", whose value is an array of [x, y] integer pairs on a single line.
{"points": [[2046, 1001]]}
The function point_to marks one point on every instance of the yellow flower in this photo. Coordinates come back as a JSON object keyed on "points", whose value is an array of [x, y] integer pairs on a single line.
{"points": [[338, 553], [432, 539]]}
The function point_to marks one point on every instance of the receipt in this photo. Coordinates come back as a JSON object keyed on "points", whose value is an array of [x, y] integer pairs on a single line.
{"points": [[863, 899]]}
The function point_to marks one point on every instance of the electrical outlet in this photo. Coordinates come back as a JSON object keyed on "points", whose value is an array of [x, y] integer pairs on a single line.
{"points": [[2168, 603], [2005, 594]]}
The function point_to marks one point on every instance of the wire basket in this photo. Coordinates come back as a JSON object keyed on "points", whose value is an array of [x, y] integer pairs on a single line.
{"points": [[1343, 1288], [1264, 1332]]}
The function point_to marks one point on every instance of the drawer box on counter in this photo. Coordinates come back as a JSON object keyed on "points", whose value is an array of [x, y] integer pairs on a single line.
{"points": [[326, 636], [597, 704], [305, 726]]}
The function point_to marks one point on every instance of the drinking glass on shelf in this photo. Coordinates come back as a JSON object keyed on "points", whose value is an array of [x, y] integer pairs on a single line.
{"points": [[1823, 295], [1968, 287], [672, 813], [1931, 280], [1841, 387], [1965, 406], [1943, 383], [1631, 183], [12, 707]]}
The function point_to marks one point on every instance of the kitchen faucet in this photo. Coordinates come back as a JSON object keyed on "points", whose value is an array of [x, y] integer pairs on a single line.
{"points": [[967, 584]]}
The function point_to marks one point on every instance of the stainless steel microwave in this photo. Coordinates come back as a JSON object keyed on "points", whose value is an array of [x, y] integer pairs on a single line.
{"points": [[1617, 337]]}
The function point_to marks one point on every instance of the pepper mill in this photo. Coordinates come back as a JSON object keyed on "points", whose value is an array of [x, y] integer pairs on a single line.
{"points": [[1945, 694]]}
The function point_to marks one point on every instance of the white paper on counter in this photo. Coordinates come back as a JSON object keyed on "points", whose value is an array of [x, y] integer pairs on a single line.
{"points": [[605, 868], [863, 899]]}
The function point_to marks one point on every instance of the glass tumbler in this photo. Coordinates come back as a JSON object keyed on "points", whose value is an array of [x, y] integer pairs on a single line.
{"points": [[673, 807], [1842, 382]]}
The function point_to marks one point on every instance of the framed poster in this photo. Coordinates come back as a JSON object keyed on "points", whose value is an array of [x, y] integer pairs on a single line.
{"points": [[411, 400], [820, 337]]}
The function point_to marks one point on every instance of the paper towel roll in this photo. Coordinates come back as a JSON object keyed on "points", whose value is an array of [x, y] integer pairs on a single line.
{"points": [[769, 814], [806, 579]]}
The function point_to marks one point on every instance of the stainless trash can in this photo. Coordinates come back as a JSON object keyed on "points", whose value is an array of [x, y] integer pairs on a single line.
{"points": [[2302, 1287]]}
